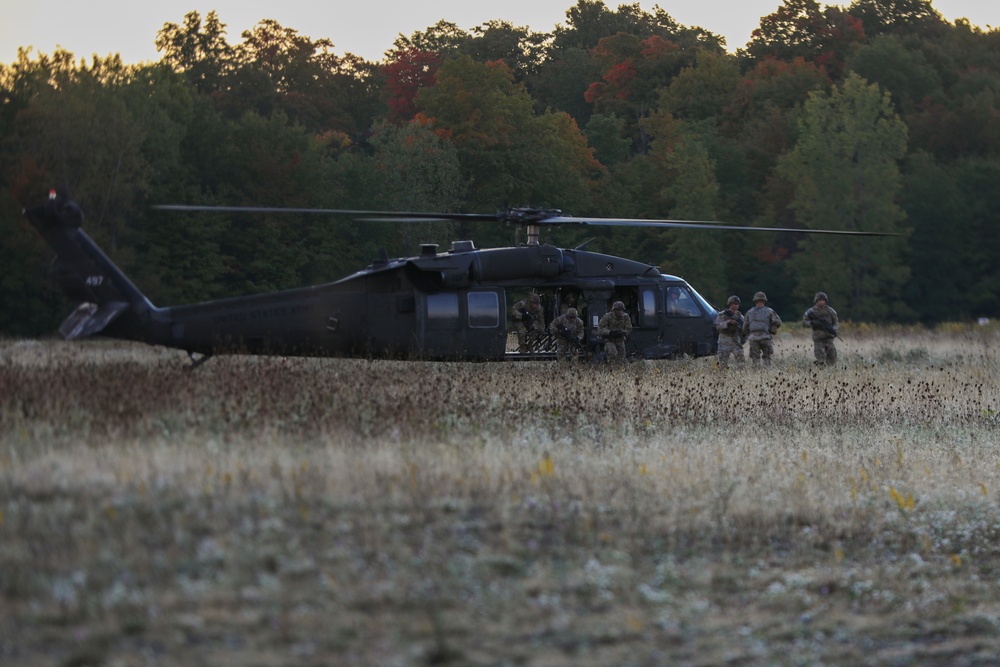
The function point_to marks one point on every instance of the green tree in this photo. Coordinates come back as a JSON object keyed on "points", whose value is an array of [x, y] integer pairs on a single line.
{"points": [[903, 72], [417, 170], [590, 21], [765, 118], [951, 255], [800, 29], [895, 16], [845, 173], [606, 134], [685, 186], [80, 135], [521, 49], [443, 38], [277, 69], [104, 133], [563, 79], [633, 71], [198, 50], [708, 90], [509, 155], [569, 69]]}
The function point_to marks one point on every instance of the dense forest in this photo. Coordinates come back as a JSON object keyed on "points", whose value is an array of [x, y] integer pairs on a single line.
{"points": [[879, 116]]}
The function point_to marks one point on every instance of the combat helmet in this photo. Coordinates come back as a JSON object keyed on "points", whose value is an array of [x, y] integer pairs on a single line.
{"points": [[733, 299], [618, 305], [820, 296], [760, 296], [571, 312], [534, 298]]}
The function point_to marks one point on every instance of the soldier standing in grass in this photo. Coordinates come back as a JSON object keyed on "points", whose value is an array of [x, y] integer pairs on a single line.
{"points": [[568, 331], [614, 328], [823, 320], [760, 324], [729, 323], [528, 317]]}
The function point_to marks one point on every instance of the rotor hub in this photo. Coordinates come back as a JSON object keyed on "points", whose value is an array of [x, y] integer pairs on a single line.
{"points": [[526, 216]]}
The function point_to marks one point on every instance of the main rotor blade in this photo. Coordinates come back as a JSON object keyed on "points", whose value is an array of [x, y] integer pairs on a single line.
{"points": [[537, 217], [394, 216], [697, 224]]}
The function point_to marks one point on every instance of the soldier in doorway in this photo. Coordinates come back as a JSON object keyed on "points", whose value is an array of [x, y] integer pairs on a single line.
{"points": [[568, 330], [529, 321]]}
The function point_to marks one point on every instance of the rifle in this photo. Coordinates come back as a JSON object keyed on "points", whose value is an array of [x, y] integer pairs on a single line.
{"points": [[817, 323], [734, 321], [615, 334], [570, 338]]}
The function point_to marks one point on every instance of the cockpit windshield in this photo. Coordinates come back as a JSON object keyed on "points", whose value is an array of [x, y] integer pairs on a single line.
{"points": [[682, 302]]}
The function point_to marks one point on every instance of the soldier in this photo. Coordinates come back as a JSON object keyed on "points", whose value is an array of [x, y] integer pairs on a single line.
{"points": [[759, 326], [568, 331], [673, 302], [729, 322], [529, 318], [614, 328], [569, 301], [823, 320]]}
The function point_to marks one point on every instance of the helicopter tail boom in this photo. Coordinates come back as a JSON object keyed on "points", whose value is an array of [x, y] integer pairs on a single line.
{"points": [[88, 277]]}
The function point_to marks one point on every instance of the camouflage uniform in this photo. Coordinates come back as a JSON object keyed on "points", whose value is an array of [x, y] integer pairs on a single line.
{"points": [[730, 327], [615, 321], [568, 330], [823, 348], [528, 317], [759, 326]]}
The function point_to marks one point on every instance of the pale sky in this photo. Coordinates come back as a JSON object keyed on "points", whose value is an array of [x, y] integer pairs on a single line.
{"points": [[129, 27]]}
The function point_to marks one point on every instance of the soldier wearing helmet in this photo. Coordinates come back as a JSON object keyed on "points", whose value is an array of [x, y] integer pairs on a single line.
{"points": [[529, 321], [729, 323], [614, 328], [759, 327], [568, 330], [825, 324]]}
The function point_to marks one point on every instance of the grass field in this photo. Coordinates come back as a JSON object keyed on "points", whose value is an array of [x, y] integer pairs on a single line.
{"points": [[264, 511]]}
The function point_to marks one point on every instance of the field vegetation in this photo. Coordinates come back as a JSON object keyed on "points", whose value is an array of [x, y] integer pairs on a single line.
{"points": [[269, 511]]}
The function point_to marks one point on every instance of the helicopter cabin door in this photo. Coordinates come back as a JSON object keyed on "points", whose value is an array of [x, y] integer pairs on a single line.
{"points": [[463, 324]]}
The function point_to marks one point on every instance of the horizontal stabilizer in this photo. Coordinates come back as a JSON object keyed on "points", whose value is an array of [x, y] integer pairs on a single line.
{"points": [[89, 318]]}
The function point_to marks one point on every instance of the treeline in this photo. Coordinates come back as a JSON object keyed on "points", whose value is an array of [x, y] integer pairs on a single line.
{"points": [[878, 116]]}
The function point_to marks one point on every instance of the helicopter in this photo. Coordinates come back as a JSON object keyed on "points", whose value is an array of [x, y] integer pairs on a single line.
{"points": [[437, 305]]}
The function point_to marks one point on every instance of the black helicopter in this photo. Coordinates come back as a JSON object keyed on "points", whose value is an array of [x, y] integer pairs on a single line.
{"points": [[437, 305]]}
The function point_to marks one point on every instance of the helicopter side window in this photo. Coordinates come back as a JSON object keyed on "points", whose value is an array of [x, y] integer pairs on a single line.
{"points": [[484, 310], [442, 309], [648, 306]]}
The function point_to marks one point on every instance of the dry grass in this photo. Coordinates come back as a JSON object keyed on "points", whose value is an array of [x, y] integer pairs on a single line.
{"points": [[315, 512]]}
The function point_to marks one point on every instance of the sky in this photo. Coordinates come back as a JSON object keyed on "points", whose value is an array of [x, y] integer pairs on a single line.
{"points": [[129, 27]]}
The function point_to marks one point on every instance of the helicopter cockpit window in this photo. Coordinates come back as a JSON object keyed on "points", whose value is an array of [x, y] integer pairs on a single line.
{"points": [[680, 303], [442, 308], [484, 310]]}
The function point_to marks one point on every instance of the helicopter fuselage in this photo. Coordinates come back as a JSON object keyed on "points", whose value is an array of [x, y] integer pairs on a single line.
{"points": [[452, 305], [436, 305]]}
